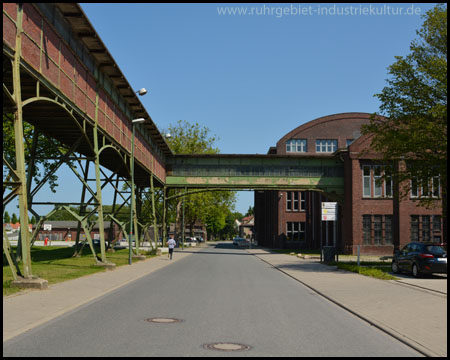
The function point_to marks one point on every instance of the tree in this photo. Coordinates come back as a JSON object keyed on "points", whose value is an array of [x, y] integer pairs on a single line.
{"points": [[46, 148], [64, 215], [14, 218], [190, 138], [414, 106], [6, 218], [206, 207], [250, 211]]}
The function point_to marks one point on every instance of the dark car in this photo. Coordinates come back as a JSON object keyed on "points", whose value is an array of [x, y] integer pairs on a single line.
{"points": [[420, 258]]}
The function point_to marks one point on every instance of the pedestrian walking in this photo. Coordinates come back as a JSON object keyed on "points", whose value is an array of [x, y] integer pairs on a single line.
{"points": [[171, 243], [45, 241]]}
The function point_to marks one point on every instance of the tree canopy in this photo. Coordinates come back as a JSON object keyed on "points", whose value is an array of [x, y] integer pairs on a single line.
{"points": [[46, 149], [415, 106], [209, 207]]}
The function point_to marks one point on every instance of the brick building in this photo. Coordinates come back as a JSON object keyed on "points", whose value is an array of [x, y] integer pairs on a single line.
{"points": [[367, 213], [67, 231]]}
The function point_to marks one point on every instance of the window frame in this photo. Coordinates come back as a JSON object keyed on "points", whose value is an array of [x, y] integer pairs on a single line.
{"points": [[327, 146], [364, 178], [297, 146]]}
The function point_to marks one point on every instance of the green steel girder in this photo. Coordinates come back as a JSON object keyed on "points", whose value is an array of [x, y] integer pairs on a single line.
{"points": [[87, 230], [328, 184], [258, 172], [10, 256]]}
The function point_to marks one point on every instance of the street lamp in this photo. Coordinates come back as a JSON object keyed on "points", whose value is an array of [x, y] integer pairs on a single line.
{"points": [[133, 122], [142, 91]]}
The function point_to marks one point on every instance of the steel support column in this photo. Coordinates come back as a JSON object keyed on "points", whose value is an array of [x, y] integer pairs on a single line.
{"points": [[152, 187], [101, 227], [19, 148]]}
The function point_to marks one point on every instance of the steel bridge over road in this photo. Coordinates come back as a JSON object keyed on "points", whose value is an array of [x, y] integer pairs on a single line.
{"points": [[59, 76], [257, 172]]}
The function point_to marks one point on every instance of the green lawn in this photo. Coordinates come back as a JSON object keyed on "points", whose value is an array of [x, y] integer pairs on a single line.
{"points": [[369, 265], [56, 264]]}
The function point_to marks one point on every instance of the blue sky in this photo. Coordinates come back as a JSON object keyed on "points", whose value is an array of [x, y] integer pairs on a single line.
{"points": [[249, 78]]}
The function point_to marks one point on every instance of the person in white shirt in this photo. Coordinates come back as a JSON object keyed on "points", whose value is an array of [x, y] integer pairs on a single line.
{"points": [[171, 244]]}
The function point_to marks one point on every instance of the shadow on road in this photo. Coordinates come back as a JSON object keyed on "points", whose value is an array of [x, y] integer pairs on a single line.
{"points": [[231, 250]]}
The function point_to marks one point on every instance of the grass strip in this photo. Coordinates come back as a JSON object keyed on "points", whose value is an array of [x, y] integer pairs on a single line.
{"points": [[56, 264]]}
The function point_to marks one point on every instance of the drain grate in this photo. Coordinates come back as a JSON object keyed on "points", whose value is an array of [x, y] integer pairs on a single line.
{"points": [[163, 320], [227, 347]]}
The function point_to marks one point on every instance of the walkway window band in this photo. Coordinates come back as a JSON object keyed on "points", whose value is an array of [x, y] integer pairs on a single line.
{"points": [[245, 170]]}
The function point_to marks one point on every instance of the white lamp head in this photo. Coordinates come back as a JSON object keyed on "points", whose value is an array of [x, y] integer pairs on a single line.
{"points": [[138, 120], [142, 91]]}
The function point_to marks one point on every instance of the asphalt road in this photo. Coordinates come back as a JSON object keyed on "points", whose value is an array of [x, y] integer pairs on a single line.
{"points": [[221, 295]]}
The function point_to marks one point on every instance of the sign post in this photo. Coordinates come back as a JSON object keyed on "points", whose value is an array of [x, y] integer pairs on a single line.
{"points": [[329, 213]]}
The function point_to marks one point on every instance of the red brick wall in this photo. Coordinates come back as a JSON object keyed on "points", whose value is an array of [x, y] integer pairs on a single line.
{"points": [[60, 65]]}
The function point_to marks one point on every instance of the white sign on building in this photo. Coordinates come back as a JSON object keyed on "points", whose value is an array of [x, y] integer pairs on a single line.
{"points": [[329, 211]]}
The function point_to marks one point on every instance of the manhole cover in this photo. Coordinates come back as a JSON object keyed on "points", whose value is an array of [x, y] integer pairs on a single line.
{"points": [[163, 320], [227, 347]]}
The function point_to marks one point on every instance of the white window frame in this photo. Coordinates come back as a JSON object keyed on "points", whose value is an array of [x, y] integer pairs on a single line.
{"points": [[295, 201], [326, 145], [296, 145], [388, 180], [433, 190], [370, 182], [377, 188], [288, 201], [302, 201], [414, 191], [297, 228]]}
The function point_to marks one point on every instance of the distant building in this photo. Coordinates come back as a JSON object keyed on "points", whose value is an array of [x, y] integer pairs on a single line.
{"points": [[198, 231], [246, 227], [67, 231]]}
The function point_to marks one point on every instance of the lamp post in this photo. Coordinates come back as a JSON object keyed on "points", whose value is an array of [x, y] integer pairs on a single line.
{"points": [[133, 122], [141, 92]]}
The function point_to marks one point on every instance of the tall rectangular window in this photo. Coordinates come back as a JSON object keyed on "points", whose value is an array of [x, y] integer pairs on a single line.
{"points": [[414, 228], [414, 188], [388, 229], [426, 228], [366, 181], [296, 201], [436, 187], [302, 201], [289, 230], [388, 186], [301, 231], [288, 200], [377, 184], [367, 229], [377, 229], [436, 223]]}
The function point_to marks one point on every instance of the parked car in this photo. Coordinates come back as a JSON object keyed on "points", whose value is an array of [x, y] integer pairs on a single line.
{"points": [[420, 258], [240, 241]]}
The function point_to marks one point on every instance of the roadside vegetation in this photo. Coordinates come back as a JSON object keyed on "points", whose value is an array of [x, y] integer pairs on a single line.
{"points": [[56, 264], [374, 266]]}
